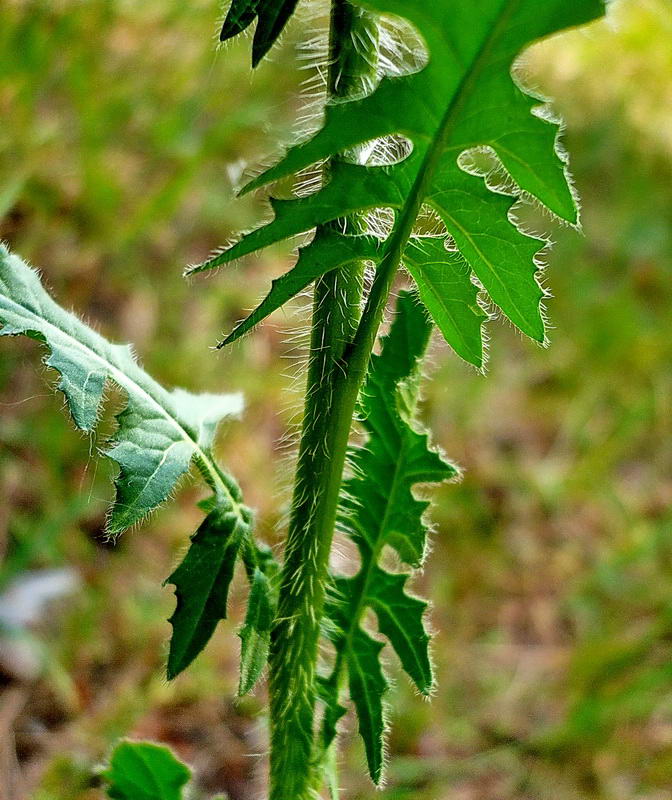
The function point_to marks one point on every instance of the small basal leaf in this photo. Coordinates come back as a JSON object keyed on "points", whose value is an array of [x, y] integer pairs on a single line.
{"points": [[145, 771], [464, 99]]}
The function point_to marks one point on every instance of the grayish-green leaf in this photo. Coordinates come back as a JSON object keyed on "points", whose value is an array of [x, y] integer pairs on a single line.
{"points": [[160, 433]]}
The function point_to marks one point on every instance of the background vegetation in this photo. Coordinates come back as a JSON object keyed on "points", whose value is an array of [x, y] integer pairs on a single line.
{"points": [[124, 131]]}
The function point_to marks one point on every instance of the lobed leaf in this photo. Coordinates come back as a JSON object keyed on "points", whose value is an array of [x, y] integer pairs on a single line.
{"points": [[160, 433], [328, 247], [272, 16], [367, 686], [255, 635], [145, 771], [445, 288], [464, 99], [379, 509]]}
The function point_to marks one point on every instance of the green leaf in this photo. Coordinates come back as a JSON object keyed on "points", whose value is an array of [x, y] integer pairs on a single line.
{"points": [[145, 771], [445, 287], [272, 15], [202, 584], [348, 190], [327, 248], [367, 687], [160, 433], [328, 694], [255, 635], [379, 509], [463, 100]]}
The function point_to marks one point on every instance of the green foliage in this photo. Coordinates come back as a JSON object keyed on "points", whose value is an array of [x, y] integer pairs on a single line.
{"points": [[158, 436], [462, 109], [328, 247], [448, 293], [464, 99], [202, 583], [145, 771], [557, 544], [159, 432], [255, 635], [272, 16], [379, 509]]}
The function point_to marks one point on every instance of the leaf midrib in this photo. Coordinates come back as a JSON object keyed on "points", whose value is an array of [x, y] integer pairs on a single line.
{"points": [[131, 386], [367, 697], [375, 552]]}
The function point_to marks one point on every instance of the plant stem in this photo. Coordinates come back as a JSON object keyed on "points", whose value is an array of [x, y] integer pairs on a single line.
{"points": [[324, 438]]}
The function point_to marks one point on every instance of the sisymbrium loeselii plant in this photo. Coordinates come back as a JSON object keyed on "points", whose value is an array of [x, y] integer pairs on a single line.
{"points": [[399, 196]]}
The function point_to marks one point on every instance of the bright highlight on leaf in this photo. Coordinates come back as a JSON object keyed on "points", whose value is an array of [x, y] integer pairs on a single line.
{"points": [[464, 99], [379, 509]]}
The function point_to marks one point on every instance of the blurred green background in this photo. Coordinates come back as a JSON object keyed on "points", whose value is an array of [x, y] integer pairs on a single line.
{"points": [[124, 131]]}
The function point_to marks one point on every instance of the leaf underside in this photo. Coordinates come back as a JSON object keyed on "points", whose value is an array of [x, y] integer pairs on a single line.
{"points": [[159, 434], [463, 100], [379, 509]]}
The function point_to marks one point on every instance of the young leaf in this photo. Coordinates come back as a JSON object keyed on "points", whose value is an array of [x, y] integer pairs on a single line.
{"points": [[159, 434], [145, 771], [328, 247], [379, 509], [465, 98], [255, 635], [272, 15]]}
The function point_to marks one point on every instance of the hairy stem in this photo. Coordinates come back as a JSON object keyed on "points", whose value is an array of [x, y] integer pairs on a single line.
{"points": [[326, 428]]}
